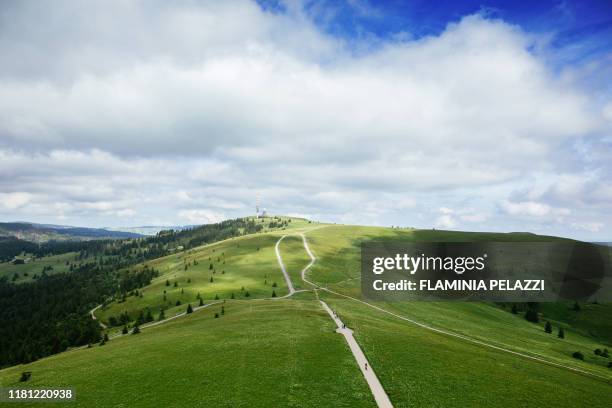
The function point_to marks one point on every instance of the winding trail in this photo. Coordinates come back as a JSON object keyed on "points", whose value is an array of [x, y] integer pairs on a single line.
{"points": [[282, 266], [379, 393]]}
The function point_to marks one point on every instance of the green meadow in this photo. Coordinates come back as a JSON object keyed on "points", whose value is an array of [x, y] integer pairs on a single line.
{"points": [[267, 351], [257, 354]]}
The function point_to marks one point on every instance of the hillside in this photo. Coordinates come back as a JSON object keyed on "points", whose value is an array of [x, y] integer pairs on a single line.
{"points": [[43, 233], [274, 351]]}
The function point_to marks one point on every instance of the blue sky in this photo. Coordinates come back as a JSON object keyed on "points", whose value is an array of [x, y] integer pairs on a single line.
{"points": [[480, 116]]}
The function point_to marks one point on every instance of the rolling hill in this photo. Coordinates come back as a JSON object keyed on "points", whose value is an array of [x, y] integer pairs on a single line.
{"points": [[250, 344]]}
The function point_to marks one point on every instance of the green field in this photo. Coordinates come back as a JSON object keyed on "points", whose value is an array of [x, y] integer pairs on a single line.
{"points": [[283, 352], [258, 354], [26, 271]]}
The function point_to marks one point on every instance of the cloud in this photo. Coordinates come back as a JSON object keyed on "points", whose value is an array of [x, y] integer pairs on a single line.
{"points": [[166, 112], [588, 226], [445, 221], [198, 216], [12, 201]]}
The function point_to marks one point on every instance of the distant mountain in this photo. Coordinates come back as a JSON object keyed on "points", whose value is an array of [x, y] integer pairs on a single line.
{"points": [[46, 232], [151, 229]]}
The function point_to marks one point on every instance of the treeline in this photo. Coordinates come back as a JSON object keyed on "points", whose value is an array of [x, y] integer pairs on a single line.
{"points": [[10, 247], [51, 314]]}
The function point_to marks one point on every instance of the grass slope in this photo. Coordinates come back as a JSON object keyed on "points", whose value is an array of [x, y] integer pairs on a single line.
{"points": [[35, 266], [259, 354], [418, 367]]}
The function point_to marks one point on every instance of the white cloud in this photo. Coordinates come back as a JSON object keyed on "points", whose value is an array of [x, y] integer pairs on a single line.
{"points": [[12, 201], [169, 113], [199, 216], [588, 226]]}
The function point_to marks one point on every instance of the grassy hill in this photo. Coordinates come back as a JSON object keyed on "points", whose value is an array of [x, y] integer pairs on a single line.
{"points": [[283, 352]]}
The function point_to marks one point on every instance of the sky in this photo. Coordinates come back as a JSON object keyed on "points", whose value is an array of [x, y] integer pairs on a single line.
{"points": [[463, 115]]}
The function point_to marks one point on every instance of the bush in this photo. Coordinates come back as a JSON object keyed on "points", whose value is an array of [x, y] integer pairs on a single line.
{"points": [[136, 330], [514, 309], [597, 352], [605, 353], [216, 315], [532, 316], [273, 294], [561, 334], [578, 355], [25, 376]]}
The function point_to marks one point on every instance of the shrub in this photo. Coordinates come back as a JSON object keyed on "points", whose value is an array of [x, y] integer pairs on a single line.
{"points": [[561, 334], [548, 327], [136, 330], [578, 355], [25, 376], [216, 315], [124, 330], [597, 352], [273, 294], [532, 316]]}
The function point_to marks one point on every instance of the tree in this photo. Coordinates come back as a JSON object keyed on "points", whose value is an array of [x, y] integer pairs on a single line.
{"points": [[136, 330], [25, 376], [167, 282], [178, 303], [274, 284], [222, 310], [578, 355], [189, 309], [162, 315], [247, 294], [548, 327], [124, 330], [532, 316], [233, 297], [597, 352], [216, 315], [201, 302], [273, 293], [605, 353], [514, 309], [149, 316], [211, 279], [561, 334], [216, 297], [106, 337], [175, 284]]}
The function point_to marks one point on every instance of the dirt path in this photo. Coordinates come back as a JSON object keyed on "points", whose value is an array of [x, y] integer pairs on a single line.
{"points": [[379, 393], [445, 332], [282, 266]]}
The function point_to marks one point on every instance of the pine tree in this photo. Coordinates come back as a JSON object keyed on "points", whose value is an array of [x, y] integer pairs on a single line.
{"points": [[189, 308], [167, 282], [233, 297], [149, 316], [201, 302], [162, 315], [106, 337], [561, 334], [273, 293], [216, 297], [247, 294], [548, 327], [211, 279], [124, 330], [175, 284]]}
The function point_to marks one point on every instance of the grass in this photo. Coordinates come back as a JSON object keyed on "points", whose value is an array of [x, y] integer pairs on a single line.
{"points": [[295, 259], [258, 354], [284, 352], [35, 266], [419, 367], [240, 266], [338, 267]]}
